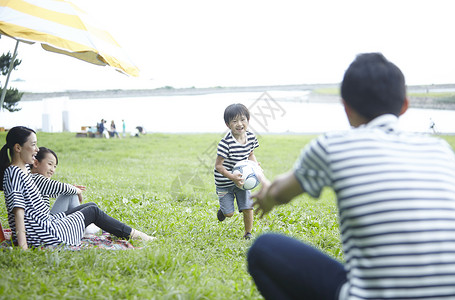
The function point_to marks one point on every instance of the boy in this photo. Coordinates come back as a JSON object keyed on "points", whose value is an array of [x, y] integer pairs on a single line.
{"points": [[237, 145], [396, 201]]}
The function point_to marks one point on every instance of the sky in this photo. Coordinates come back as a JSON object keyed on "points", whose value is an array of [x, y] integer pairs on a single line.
{"points": [[207, 43]]}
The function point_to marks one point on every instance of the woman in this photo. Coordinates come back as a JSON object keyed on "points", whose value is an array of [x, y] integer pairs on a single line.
{"points": [[28, 216]]}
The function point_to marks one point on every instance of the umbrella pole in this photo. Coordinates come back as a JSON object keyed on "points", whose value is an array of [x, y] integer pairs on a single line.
{"points": [[7, 77]]}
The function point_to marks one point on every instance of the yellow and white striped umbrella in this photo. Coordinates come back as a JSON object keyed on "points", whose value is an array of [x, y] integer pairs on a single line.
{"points": [[62, 27]]}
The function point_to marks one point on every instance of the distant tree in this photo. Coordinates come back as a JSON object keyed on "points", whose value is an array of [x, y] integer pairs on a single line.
{"points": [[13, 96]]}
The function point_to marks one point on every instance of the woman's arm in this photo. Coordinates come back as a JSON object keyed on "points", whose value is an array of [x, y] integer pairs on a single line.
{"points": [[20, 227]]}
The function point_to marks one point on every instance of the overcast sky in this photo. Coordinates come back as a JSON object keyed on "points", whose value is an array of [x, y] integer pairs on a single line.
{"points": [[206, 43]]}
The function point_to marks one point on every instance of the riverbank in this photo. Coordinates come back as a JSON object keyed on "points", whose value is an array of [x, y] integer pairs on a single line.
{"points": [[294, 111], [421, 96], [170, 91]]}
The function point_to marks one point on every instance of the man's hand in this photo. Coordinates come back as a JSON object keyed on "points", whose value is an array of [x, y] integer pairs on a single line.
{"points": [[282, 190], [264, 203]]}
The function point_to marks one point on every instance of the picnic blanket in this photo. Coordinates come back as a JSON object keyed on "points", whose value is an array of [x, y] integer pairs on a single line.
{"points": [[104, 241]]}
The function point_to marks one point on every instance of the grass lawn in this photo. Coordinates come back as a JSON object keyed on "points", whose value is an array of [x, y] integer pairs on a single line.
{"points": [[163, 184]]}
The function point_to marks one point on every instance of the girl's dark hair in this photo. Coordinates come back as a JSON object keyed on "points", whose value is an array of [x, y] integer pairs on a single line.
{"points": [[235, 110], [16, 135], [373, 86], [42, 153]]}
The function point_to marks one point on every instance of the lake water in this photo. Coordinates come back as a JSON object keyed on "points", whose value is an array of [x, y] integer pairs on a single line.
{"points": [[271, 112]]}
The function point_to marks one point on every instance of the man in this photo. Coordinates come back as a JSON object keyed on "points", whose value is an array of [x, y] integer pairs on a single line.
{"points": [[396, 201]]}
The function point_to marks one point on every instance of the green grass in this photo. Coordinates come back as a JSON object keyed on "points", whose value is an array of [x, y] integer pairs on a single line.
{"points": [[163, 184]]}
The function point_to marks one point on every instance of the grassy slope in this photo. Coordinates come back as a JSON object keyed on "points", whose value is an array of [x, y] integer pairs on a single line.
{"points": [[163, 184]]}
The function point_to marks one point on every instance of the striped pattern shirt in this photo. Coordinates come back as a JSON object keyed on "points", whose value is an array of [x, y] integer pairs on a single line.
{"points": [[396, 200], [41, 228], [51, 188], [233, 152]]}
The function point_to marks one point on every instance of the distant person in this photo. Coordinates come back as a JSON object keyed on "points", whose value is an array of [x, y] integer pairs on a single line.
{"points": [[101, 127], [105, 131], [28, 216], [102, 130], [92, 131], [124, 128], [138, 131], [433, 126], [396, 201], [114, 132], [237, 145]]}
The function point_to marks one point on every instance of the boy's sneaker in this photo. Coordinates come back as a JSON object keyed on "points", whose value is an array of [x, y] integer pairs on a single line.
{"points": [[248, 236], [220, 215]]}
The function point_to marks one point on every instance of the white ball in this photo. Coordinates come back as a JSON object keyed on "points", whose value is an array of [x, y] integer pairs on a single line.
{"points": [[249, 170]]}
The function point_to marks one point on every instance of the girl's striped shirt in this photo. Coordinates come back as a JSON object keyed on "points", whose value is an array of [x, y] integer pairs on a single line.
{"points": [[51, 188]]}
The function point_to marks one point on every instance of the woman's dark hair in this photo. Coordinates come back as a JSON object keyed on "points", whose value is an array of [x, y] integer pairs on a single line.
{"points": [[235, 110], [373, 86], [16, 135], [42, 153]]}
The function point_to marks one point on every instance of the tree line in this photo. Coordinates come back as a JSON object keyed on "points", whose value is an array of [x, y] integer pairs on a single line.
{"points": [[13, 96]]}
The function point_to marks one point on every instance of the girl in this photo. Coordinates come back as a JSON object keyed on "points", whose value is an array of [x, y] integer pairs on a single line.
{"points": [[42, 169], [28, 216]]}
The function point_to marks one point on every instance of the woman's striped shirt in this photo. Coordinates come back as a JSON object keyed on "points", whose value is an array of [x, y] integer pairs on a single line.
{"points": [[41, 228], [396, 200], [233, 152], [51, 188]]}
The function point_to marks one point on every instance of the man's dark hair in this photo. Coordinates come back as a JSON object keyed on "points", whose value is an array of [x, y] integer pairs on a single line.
{"points": [[373, 86]]}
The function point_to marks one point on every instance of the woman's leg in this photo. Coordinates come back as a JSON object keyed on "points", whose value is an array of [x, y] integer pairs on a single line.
{"points": [[79, 207], [64, 202], [284, 268], [93, 214]]}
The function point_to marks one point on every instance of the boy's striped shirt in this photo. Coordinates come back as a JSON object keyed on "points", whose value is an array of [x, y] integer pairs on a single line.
{"points": [[233, 152]]}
